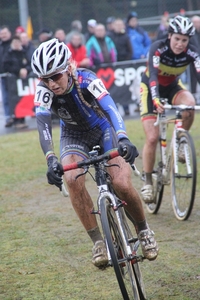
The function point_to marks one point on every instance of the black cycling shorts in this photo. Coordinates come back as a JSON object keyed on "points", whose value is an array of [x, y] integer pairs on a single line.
{"points": [[80, 143], [146, 103]]}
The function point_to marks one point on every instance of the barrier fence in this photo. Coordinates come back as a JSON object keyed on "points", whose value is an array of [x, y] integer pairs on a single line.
{"points": [[122, 80]]}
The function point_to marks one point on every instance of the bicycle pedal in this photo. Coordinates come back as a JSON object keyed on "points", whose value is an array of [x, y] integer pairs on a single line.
{"points": [[133, 240], [134, 260]]}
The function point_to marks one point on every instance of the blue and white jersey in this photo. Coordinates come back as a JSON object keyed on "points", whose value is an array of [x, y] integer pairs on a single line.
{"points": [[73, 112]]}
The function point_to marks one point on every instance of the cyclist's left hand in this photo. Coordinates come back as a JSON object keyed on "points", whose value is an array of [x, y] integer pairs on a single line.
{"points": [[127, 150]]}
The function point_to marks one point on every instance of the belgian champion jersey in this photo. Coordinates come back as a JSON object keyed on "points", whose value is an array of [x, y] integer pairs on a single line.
{"points": [[164, 66]]}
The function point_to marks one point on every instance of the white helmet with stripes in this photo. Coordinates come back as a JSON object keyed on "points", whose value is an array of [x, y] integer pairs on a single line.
{"points": [[49, 57], [181, 25]]}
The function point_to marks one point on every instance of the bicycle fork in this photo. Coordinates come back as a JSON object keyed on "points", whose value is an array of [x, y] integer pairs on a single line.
{"points": [[115, 206], [166, 160], [173, 149]]}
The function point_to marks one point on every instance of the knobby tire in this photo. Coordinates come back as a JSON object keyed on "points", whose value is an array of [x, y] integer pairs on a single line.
{"points": [[184, 184], [118, 254], [158, 187]]}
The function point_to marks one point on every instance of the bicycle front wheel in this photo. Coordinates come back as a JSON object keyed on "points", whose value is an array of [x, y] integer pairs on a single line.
{"points": [[184, 180], [134, 244], [123, 267], [158, 186]]}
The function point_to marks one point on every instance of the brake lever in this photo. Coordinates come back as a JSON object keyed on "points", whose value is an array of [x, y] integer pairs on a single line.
{"points": [[156, 123], [84, 172], [136, 171], [113, 165]]}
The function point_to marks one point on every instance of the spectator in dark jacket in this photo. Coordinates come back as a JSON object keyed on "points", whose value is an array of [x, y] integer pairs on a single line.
{"points": [[193, 81], [27, 45], [162, 30], [121, 40], [139, 38], [5, 40], [44, 35], [196, 22], [19, 30], [109, 25], [16, 62]]}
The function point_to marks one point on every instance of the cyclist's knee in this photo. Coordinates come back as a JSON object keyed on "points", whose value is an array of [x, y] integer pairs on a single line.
{"points": [[151, 140], [72, 183], [123, 181], [184, 97], [151, 131]]}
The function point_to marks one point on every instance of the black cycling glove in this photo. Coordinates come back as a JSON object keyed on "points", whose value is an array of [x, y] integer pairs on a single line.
{"points": [[127, 150], [55, 171]]}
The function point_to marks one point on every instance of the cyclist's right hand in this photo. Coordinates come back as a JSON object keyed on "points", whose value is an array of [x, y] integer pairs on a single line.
{"points": [[158, 106], [127, 150], [55, 171]]}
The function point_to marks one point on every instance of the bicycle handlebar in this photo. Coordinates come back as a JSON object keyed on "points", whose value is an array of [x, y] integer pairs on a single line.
{"points": [[179, 107], [96, 159], [91, 161]]}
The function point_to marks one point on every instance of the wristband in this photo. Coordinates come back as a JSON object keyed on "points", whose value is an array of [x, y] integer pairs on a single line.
{"points": [[156, 102], [49, 153]]}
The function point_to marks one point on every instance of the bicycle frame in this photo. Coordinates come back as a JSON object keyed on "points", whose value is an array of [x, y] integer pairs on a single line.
{"points": [[105, 190], [121, 245], [175, 165], [166, 160], [173, 148]]}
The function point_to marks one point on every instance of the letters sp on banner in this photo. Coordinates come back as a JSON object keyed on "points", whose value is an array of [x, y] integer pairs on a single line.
{"points": [[127, 75]]}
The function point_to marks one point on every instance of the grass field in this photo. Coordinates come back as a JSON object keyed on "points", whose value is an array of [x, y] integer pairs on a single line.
{"points": [[45, 252]]}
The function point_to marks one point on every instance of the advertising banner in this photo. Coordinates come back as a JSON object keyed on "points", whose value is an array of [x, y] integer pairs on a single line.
{"points": [[21, 95], [122, 79]]}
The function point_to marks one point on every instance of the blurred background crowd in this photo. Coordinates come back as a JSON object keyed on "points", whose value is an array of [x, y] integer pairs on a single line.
{"points": [[96, 33]]}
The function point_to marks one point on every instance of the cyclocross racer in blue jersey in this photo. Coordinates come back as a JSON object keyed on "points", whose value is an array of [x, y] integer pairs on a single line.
{"points": [[80, 116], [88, 117]]}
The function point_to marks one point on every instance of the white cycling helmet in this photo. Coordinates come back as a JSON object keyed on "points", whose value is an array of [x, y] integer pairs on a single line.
{"points": [[49, 57], [181, 25]]}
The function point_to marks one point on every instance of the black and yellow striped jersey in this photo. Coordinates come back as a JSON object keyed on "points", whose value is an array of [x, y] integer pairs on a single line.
{"points": [[164, 66]]}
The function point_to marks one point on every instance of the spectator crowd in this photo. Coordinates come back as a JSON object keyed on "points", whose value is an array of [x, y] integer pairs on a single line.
{"points": [[116, 40]]}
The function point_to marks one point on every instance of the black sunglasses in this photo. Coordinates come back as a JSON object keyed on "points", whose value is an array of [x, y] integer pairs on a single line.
{"points": [[54, 77]]}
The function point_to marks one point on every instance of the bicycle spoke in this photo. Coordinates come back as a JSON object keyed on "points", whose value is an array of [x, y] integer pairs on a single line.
{"points": [[121, 261], [184, 183], [157, 183]]}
